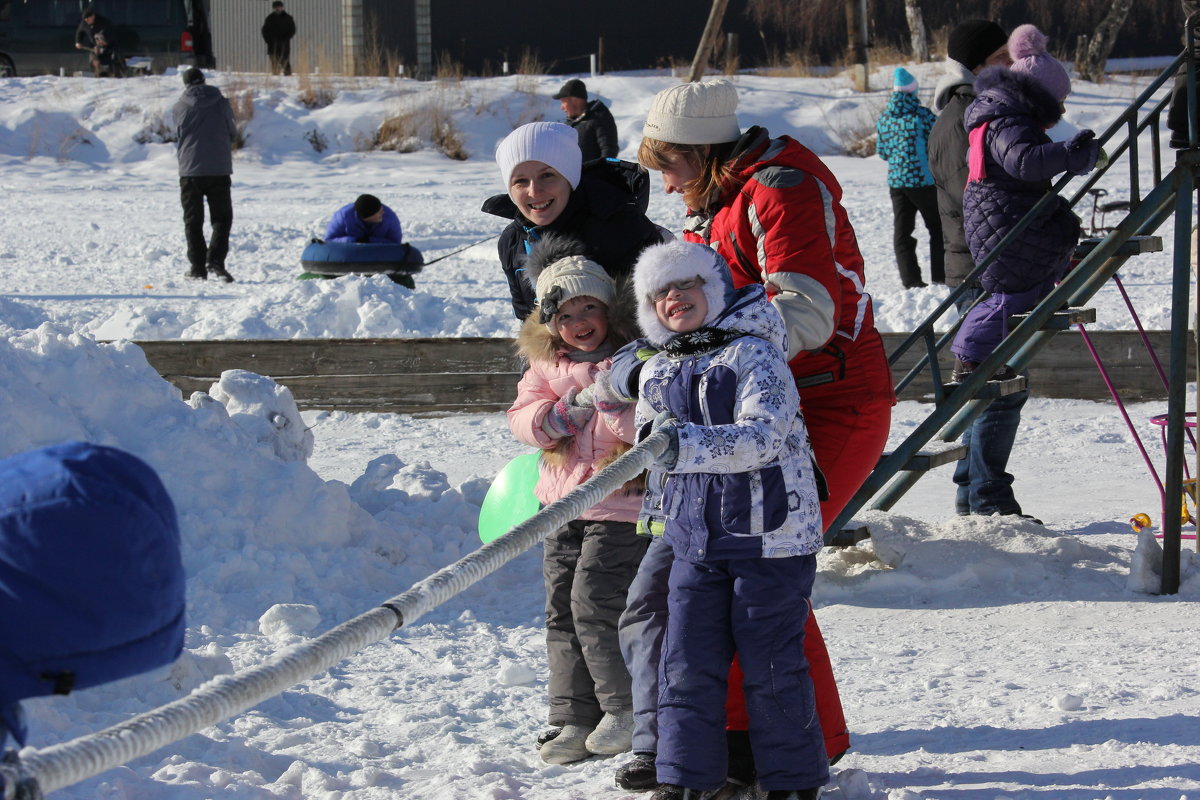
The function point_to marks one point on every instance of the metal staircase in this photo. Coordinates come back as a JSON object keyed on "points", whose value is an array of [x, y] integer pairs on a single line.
{"points": [[934, 441]]}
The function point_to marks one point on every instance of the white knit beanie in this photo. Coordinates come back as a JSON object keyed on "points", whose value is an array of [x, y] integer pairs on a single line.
{"points": [[552, 143], [694, 113]]}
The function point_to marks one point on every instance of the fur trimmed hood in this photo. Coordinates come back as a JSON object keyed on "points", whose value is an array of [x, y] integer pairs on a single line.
{"points": [[565, 259], [1000, 92]]}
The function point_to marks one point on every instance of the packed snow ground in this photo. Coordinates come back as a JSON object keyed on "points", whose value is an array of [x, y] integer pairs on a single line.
{"points": [[977, 658]]}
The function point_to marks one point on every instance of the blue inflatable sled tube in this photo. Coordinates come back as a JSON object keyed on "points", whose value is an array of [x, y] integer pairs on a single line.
{"points": [[354, 258]]}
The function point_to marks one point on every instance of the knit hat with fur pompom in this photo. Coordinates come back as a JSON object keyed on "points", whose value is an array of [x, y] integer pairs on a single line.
{"points": [[675, 261], [559, 269], [1027, 46]]}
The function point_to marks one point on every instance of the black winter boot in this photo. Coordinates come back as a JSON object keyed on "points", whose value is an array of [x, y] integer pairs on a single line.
{"points": [[794, 794], [741, 769], [638, 774], [669, 791]]}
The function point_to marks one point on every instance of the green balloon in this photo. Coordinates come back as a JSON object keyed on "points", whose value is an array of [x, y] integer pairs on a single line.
{"points": [[510, 500]]}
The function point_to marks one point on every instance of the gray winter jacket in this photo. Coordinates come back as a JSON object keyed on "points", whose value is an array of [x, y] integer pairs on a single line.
{"points": [[204, 132], [948, 163]]}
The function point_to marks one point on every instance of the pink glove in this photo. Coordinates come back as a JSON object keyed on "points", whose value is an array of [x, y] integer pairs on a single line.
{"points": [[604, 398], [566, 418]]}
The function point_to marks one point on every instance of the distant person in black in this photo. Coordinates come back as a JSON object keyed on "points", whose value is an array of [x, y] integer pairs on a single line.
{"points": [[95, 35], [277, 32], [592, 121], [205, 132]]}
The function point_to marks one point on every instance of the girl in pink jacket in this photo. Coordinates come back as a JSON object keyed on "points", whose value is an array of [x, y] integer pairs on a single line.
{"points": [[579, 320]]}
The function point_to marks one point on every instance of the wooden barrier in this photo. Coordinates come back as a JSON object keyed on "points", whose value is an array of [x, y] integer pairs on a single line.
{"points": [[445, 375]]}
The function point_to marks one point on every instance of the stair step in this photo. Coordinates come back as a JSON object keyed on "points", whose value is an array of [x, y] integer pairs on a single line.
{"points": [[1062, 320], [933, 455], [847, 537], [1134, 246], [994, 389]]}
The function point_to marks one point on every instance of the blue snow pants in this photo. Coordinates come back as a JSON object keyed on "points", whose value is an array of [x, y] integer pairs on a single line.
{"points": [[641, 630], [754, 607]]}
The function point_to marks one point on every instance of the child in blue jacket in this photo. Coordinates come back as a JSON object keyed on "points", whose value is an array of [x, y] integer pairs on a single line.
{"points": [[902, 139], [735, 497]]}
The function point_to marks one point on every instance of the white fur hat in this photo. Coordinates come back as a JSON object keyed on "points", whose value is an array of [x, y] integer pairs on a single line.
{"points": [[552, 143], [694, 113], [673, 261]]}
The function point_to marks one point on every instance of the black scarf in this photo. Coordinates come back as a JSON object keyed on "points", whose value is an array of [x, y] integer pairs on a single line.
{"points": [[701, 340]]}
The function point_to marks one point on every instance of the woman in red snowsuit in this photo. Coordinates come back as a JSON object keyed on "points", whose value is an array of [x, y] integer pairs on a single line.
{"points": [[773, 210]]}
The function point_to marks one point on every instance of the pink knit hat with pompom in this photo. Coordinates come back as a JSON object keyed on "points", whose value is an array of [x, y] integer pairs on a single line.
{"points": [[1027, 46]]}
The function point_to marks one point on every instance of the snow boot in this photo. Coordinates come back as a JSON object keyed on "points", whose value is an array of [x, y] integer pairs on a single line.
{"points": [[547, 735], [613, 735], [740, 769], [962, 370], [196, 275], [570, 745], [219, 272], [669, 791], [794, 794], [638, 775]]}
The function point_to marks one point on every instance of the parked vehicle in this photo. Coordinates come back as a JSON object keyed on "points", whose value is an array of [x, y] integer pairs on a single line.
{"points": [[38, 38]]}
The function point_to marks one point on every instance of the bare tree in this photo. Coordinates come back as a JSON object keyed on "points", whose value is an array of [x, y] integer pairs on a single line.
{"points": [[1091, 66], [707, 40], [916, 30]]}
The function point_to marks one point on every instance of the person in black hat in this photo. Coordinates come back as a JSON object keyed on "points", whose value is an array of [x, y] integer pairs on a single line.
{"points": [[366, 220], [592, 121], [205, 132], [277, 31]]}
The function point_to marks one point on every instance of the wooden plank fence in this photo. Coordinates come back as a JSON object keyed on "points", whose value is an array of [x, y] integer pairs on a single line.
{"points": [[447, 375]]}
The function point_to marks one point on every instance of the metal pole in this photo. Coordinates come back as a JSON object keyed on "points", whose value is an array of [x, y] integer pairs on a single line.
{"points": [[1177, 380], [424, 26]]}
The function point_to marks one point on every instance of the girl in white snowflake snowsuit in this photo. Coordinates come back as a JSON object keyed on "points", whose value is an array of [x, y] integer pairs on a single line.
{"points": [[736, 498]]}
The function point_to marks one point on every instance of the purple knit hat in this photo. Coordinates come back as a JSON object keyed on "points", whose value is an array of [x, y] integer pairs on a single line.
{"points": [[1027, 46]]}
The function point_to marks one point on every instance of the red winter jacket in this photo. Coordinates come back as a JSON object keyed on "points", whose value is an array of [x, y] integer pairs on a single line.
{"points": [[783, 222]]}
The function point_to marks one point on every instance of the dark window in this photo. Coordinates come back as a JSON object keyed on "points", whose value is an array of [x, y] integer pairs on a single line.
{"points": [[140, 12], [50, 12]]}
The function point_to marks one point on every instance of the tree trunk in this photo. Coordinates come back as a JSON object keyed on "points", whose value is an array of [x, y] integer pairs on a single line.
{"points": [[707, 40], [1091, 68], [916, 30]]}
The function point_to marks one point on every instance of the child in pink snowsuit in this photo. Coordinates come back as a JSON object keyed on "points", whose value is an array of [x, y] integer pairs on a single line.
{"points": [[578, 321]]}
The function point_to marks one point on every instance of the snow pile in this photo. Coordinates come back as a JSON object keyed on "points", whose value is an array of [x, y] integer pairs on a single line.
{"points": [[259, 527]]}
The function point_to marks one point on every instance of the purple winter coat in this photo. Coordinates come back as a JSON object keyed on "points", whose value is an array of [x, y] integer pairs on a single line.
{"points": [[1019, 161]]}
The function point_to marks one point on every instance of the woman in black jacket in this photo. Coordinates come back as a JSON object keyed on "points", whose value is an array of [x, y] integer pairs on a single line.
{"points": [[549, 189]]}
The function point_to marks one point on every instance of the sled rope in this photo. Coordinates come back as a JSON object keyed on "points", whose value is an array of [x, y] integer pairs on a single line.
{"points": [[45, 770]]}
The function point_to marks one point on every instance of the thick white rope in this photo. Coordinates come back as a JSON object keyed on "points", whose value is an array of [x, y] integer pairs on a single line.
{"points": [[70, 762]]}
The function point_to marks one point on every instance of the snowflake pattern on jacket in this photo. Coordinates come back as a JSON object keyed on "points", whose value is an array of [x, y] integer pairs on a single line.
{"points": [[744, 485], [903, 141]]}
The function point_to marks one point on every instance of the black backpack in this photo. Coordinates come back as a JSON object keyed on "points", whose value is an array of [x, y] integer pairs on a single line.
{"points": [[629, 177]]}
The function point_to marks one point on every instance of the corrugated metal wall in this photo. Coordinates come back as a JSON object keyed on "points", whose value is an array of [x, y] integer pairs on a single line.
{"points": [[319, 44]]}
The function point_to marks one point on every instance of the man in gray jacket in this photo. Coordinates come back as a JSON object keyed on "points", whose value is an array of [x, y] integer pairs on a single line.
{"points": [[204, 136], [984, 484]]}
